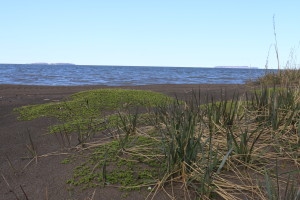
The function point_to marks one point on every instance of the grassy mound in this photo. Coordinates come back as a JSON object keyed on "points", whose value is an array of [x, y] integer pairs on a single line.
{"points": [[92, 103], [86, 112]]}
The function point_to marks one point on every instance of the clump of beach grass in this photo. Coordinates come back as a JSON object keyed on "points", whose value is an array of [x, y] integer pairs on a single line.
{"points": [[285, 77]]}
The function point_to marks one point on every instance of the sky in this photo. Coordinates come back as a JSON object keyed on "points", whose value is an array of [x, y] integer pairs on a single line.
{"points": [[187, 33]]}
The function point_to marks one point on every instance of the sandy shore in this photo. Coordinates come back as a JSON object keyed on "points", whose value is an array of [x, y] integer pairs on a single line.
{"points": [[46, 177]]}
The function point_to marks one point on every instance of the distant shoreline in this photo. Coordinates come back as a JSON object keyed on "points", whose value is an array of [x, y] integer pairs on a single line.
{"points": [[235, 67], [50, 64], [156, 66]]}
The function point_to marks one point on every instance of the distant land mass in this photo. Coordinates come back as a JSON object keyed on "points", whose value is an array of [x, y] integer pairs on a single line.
{"points": [[41, 63], [236, 67]]}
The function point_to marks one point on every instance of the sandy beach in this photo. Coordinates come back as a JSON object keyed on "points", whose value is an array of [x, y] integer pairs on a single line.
{"points": [[45, 177]]}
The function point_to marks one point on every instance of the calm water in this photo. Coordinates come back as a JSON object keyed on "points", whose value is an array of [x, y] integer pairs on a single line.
{"points": [[120, 75]]}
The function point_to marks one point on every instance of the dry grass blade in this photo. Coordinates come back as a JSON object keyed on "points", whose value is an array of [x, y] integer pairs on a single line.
{"points": [[9, 187]]}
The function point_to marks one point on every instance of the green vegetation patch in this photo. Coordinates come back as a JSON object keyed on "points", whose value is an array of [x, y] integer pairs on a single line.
{"points": [[135, 165], [92, 103], [83, 112], [94, 125], [269, 91]]}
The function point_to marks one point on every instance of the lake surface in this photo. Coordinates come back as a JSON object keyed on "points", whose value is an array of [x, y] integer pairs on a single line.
{"points": [[67, 75]]}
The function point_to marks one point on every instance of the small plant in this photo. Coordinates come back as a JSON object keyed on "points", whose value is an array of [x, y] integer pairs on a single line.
{"points": [[127, 127], [243, 144], [180, 139]]}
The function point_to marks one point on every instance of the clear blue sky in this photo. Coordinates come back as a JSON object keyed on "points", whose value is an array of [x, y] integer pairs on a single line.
{"points": [[150, 33]]}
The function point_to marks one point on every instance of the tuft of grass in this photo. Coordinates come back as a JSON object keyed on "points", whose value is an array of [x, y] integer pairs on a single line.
{"points": [[243, 143]]}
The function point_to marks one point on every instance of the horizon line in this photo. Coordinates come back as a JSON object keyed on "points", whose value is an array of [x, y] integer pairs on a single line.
{"points": [[62, 63]]}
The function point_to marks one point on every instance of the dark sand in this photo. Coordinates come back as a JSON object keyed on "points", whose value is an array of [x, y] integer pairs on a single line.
{"points": [[45, 179]]}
